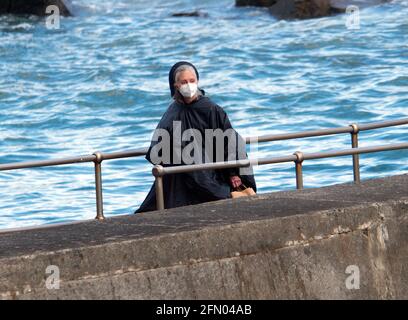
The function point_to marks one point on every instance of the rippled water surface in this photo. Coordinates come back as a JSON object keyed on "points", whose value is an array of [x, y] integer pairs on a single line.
{"points": [[100, 83]]}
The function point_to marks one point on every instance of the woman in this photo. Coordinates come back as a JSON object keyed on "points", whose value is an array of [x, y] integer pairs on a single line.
{"points": [[191, 110]]}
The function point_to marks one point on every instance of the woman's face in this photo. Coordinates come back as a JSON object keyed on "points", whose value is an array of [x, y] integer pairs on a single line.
{"points": [[184, 77]]}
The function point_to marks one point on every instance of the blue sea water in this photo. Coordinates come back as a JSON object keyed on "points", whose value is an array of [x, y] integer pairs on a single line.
{"points": [[99, 82]]}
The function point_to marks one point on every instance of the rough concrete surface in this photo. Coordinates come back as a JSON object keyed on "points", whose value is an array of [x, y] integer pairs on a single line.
{"points": [[282, 245]]}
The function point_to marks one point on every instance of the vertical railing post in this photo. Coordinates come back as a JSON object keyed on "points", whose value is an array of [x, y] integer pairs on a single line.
{"points": [[356, 157], [299, 172], [98, 186], [158, 173]]}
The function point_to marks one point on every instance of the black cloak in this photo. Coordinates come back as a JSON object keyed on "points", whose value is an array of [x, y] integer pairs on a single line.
{"points": [[199, 186]]}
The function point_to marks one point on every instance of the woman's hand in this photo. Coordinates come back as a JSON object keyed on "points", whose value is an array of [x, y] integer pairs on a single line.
{"points": [[235, 181]]}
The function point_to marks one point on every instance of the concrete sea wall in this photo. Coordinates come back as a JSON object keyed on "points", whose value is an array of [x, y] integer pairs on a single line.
{"points": [[340, 242]]}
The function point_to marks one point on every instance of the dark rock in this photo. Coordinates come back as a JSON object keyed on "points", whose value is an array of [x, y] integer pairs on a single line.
{"points": [[306, 9], [301, 9], [190, 14], [256, 3], [283, 9], [312, 9], [35, 7], [343, 4]]}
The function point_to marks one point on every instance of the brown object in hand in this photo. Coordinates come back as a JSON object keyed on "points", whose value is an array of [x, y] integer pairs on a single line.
{"points": [[242, 191]]}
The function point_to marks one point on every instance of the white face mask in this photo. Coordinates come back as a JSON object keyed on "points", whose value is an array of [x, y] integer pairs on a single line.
{"points": [[188, 90]]}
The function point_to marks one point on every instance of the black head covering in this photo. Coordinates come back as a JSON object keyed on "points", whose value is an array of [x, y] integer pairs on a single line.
{"points": [[172, 75]]}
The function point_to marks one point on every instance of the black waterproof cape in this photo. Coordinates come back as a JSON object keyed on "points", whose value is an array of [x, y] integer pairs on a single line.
{"points": [[200, 186]]}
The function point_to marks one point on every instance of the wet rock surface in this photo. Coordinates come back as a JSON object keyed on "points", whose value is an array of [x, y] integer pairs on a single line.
{"points": [[306, 9], [196, 13], [34, 7]]}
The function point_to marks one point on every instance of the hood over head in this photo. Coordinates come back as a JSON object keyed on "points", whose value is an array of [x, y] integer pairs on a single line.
{"points": [[172, 74]]}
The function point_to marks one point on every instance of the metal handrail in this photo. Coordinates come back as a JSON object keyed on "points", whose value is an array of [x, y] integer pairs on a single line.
{"points": [[324, 132], [297, 157]]}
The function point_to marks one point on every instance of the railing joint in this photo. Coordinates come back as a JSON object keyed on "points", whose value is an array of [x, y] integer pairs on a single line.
{"points": [[158, 170], [355, 128], [299, 156], [98, 157]]}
